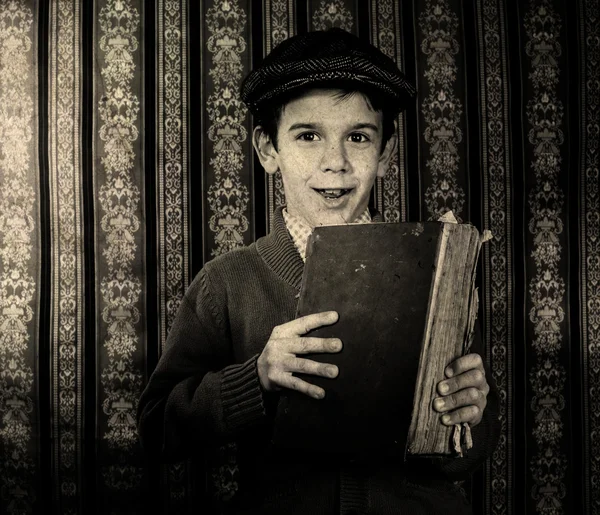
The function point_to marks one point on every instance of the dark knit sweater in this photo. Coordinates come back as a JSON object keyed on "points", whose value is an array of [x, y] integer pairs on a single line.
{"points": [[205, 391]]}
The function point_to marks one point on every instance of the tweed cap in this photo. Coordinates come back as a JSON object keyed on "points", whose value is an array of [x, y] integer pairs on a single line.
{"points": [[326, 58]]}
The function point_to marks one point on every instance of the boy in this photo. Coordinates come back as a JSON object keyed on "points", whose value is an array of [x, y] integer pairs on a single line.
{"points": [[325, 104]]}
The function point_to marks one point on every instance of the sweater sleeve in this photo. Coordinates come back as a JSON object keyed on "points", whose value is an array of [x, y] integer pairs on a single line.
{"points": [[197, 396]]}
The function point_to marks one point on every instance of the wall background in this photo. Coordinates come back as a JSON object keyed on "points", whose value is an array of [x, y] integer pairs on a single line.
{"points": [[125, 164]]}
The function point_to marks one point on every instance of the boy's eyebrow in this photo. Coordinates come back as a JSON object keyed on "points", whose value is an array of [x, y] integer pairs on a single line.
{"points": [[371, 126], [301, 125], [296, 126]]}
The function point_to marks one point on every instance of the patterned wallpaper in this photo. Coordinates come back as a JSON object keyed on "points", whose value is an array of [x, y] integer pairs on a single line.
{"points": [[65, 207], [544, 100], [126, 163], [19, 254]]}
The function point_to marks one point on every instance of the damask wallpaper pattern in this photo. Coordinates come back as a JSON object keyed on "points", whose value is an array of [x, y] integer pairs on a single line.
{"points": [[588, 166], [498, 256], [440, 59], [546, 240], [126, 163], [120, 274], [19, 254], [172, 187], [391, 197], [67, 311]]}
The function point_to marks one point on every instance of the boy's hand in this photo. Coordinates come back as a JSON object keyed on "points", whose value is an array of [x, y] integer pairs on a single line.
{"points": [[279, 360], [464, 393]]}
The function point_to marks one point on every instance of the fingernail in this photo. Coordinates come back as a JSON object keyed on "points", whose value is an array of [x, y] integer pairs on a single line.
{"points": [[336, 345], [449, 372], [446, 419], [332, 371], [444, 388], [438, 404], [319, 395]]}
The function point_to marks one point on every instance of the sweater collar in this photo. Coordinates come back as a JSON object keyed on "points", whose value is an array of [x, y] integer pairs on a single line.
{"points": [[279, 252], [281, 255]]}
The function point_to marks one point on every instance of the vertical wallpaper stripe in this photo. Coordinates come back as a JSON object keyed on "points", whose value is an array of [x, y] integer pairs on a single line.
{"points": [[545, 261], [279, 22], [497, 255], [172, 151], [120, 249], [19, 256], [391, 198], [227, 175], [279, 25], [172, 190], [442, 154], [67, 316], [227, 148], [589, 245]]}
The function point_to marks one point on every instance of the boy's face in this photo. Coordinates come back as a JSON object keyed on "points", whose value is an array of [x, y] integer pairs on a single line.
{"points": [[329, 153]]}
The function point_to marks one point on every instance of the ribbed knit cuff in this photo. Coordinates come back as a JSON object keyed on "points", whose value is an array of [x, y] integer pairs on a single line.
{"points": [[242, 396], [354, 497]]}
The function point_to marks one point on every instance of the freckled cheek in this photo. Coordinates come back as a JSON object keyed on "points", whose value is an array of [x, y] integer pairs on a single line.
{"points": [[363, 161], [303, 162], [365, 170]]}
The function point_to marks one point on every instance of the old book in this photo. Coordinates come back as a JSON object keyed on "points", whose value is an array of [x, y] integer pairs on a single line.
{"points": [[405, 296]]}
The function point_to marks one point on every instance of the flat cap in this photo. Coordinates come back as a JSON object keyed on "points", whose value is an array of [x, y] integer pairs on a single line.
{"points": [[325, 58]]}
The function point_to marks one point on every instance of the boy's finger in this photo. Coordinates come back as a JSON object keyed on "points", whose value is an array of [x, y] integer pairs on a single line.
{"points": [[295, 383], [471, 414], [465, 397], [307, 323], [464, 364], [307, 366], [472, 378], [309, 344]]}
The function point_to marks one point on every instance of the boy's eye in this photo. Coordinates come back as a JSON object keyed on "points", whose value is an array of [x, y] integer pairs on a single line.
{"points": [[308, 136], [357, 137]]}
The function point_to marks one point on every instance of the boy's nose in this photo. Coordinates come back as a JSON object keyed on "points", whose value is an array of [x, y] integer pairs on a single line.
{"points": [[334, 159]]}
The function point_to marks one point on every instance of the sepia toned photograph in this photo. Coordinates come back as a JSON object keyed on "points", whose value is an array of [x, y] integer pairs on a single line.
{"points": [[299, 257]]}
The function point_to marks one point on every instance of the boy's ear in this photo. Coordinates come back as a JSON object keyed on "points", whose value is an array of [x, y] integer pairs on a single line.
{"points": [[387, 154], [267, 154]]}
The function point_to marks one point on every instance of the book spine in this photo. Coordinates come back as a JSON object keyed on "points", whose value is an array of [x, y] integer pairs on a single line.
{"points": [[451, 298]]}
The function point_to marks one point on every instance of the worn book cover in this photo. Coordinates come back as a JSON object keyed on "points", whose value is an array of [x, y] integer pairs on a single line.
{"points": [[381, 279]]}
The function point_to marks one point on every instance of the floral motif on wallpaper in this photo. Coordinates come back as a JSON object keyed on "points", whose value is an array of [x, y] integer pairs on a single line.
{"points": [[332, 14]]}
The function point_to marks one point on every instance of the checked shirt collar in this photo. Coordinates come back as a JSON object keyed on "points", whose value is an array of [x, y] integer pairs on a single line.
{"points": [[300, 231]]}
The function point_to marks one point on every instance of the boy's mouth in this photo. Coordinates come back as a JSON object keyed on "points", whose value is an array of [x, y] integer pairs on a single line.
{"points": [[332, 193]]}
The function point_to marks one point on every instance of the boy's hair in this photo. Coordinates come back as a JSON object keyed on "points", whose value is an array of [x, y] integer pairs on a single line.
{"points": [[325, 59], [270, 113]]}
